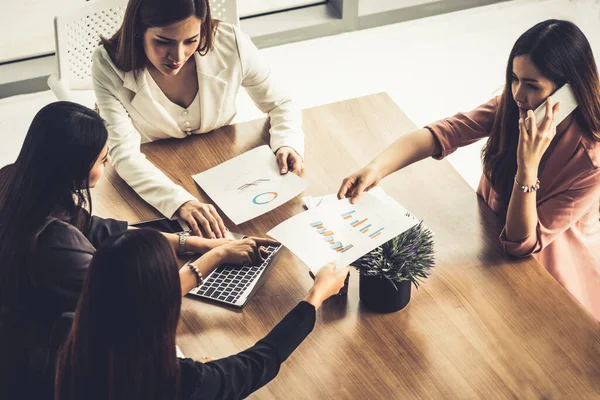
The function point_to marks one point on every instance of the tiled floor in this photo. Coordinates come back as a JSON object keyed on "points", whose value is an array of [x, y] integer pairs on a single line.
{"points": [[431, 67]]}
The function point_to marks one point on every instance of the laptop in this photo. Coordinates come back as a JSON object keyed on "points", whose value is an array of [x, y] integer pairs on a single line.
{"points": [[234, 285]]}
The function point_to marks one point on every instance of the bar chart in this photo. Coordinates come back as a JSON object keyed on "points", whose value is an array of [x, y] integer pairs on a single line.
{"points": [[251, 184], [362, 224], [341, 231], [328, 236]]}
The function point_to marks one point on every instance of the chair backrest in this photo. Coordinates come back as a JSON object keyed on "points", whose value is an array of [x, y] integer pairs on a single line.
{"points": [[77, 34], [225, 10]]}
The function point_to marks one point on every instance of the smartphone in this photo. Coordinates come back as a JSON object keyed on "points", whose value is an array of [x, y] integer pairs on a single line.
{"points": [[567, 101], [164, 225]]}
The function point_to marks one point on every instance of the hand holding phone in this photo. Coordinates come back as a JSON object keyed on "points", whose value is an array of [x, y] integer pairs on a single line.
{"points": [[568, 104], [533, 144]]}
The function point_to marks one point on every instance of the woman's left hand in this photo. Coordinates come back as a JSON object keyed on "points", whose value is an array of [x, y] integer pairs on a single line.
{"points": [[534, 141], [289, 160]]}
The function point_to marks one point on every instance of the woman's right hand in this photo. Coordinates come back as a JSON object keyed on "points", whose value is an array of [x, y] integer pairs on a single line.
{"points": [[328, 282], [247, 251], [361, 181], [201, 218]]}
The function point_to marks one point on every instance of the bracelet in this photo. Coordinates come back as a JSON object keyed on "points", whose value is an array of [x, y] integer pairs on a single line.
{"points": [[196, 271], [527, 189], [182, 239]]}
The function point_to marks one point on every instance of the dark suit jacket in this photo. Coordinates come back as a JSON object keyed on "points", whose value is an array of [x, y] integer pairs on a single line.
{"points": [[234, 377], [54, 277]]}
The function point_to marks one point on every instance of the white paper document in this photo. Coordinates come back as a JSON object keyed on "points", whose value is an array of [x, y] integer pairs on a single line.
{"points": [[343, 232], [311, 202], [249, 185]]}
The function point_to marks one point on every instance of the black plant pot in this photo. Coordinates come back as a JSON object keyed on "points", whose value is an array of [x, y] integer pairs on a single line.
{"points": [[380, 295]]}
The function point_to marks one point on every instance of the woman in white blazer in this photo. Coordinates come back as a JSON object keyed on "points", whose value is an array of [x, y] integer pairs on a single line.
{"points": [[170, 72]]}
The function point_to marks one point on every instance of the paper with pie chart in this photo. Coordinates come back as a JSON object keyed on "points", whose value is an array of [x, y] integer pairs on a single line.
{"points": [[342, 232], [249, 185]]}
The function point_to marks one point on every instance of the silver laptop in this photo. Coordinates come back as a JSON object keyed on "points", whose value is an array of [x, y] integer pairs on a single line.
{"points": [[234, 285]]}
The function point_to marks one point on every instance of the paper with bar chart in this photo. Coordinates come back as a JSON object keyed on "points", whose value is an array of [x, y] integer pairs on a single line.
{"points": [[342, 232], [249, 185]]}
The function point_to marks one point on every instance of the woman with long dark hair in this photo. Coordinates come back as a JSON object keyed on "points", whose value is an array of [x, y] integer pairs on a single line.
{"points": [[122, 342], [48, 235], [554, 219], [171, 71]]}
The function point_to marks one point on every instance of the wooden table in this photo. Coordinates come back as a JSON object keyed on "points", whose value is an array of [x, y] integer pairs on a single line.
{"points": [[483, 325]]}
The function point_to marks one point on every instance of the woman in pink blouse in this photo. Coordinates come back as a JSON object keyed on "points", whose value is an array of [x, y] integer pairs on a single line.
{"points": [[557, 220]]}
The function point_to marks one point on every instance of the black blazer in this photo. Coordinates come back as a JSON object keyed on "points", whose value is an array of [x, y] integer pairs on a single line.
{"points": [[234, 377], [52, 280], [59, 263]]}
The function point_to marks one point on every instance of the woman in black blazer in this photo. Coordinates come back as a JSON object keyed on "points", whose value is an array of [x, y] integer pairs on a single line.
{"points": [[122, 343]]}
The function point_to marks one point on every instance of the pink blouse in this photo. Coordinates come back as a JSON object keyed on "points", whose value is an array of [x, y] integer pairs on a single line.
{"points": [[567, 238]]}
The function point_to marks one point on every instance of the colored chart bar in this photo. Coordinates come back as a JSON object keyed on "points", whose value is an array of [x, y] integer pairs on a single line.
{"points": [[322, 230], [373, 237], [353, 222], [336, 245], [259, 199], [365, 229], [346, 248], [328, 233], [360, 223], [255, 183], [315, 224], [348, 217], [376, 233], [348, 213], [329, 239]]}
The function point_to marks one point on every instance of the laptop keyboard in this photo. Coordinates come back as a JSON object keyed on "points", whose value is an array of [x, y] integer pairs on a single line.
{"points": [[228, 283]]}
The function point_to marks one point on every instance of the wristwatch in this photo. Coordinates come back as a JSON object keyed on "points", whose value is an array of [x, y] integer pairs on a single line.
{"points": [[182, 239]]}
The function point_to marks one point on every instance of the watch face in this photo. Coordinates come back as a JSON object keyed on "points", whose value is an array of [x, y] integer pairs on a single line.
{"points": [[182, 238]]}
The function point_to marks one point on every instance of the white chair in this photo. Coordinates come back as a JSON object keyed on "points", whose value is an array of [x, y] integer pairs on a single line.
{"points": [[77, 33], [225, 10]]}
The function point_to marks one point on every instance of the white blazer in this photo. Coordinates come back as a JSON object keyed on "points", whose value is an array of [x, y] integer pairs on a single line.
{"points": [[134, 117]]}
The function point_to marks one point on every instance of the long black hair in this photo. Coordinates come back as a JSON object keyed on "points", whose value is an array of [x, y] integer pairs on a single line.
{"points": [[49, 179], [122, 343], [562, 53]]}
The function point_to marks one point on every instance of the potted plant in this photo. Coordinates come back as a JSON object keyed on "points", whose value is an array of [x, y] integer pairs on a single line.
{"points": [[387, 272]]}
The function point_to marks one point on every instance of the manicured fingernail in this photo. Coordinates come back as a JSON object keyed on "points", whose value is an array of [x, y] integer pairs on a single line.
{"points": [[283, 170]]}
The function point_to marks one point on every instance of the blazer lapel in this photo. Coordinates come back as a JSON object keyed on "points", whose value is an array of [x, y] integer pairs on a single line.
{"points": [[562, 153], [211, 88], [149, 108]]}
